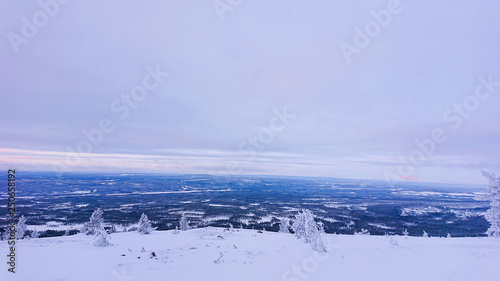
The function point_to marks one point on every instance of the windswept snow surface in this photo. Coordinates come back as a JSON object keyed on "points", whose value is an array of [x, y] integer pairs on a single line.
{"points": [[220, 254]]}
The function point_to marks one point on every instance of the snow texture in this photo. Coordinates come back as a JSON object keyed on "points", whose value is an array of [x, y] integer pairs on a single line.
{"points": [[211, 254]]}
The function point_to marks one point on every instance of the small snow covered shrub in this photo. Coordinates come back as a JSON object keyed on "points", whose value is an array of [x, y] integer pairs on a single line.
{"points": [[285, 225], [405, 233], [144, 225], [112, 229], [305, 227], [102, 238], [425, 234], [184, 222], [6, 233], [21, 228], [362, 232], [492, 194], [35, 233]]}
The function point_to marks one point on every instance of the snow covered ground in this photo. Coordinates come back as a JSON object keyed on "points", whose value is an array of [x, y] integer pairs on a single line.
{"points": [[218, 254]]}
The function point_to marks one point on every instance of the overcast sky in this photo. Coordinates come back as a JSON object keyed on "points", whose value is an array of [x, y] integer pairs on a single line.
{"points": [[234, 70]]}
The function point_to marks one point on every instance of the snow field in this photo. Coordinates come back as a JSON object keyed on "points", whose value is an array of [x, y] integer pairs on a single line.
{"points": [[219, 254]]}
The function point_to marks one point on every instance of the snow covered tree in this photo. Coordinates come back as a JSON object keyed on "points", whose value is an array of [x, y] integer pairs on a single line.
{"points": [[285, 225], [21, 228], [184, 222], [144, 225], [35, 233], [300, 222], [305, 227], [95, 222], [102, 238], [492, 194], [317, 242], [425, 234]]}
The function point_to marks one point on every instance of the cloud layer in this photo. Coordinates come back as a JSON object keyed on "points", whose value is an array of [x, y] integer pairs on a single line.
{"points": [[227, 78]]}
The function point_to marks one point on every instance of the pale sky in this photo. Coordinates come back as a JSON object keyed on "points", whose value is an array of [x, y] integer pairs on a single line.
{"points": [[231, 73]]}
